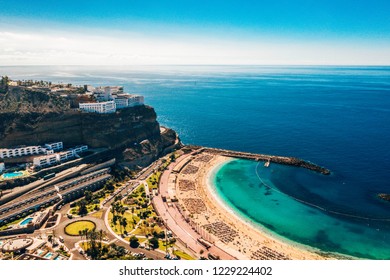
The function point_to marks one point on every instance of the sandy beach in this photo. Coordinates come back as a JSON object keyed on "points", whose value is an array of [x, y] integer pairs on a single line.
{"points": [[218, 223]]}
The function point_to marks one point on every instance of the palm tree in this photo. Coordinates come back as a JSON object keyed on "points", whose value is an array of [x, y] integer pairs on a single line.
{"points": [[124, 223]]}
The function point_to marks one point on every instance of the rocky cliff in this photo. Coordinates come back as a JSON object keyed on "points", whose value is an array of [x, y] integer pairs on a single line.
{"points": [[29, 117]]}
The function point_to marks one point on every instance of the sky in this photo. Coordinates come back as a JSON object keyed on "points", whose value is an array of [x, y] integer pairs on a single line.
{"points": [[132, 32]]}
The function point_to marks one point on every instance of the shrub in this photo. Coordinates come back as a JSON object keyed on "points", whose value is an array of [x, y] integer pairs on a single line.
{"points": [[134, 242]]}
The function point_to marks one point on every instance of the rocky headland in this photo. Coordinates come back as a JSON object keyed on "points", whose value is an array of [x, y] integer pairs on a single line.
{"points": [[34, 117]]}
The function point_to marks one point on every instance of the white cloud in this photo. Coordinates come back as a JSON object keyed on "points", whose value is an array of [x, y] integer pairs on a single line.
{"points": [[61, 48]]}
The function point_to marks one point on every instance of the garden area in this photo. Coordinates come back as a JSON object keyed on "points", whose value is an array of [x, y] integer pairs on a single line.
{"points": [[79, 227], [133, 214]]}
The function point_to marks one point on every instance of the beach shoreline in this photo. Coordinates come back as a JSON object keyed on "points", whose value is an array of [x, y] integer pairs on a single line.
{"points": [[247, 230]]}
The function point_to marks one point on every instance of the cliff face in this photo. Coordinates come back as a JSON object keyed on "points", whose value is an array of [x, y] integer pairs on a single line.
{"points": [[131, 131]]}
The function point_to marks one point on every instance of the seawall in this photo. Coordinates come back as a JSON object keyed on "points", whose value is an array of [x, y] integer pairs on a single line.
{"points": [[263, 157]]}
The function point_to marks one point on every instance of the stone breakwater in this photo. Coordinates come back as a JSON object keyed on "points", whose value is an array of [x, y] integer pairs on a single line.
{"points": [[267, 158]]}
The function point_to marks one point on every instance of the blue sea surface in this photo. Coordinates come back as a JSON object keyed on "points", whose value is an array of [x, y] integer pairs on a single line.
{"points": [[336, 117]]}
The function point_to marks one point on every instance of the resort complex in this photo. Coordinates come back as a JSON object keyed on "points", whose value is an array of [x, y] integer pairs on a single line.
{"points": [[31, 150], [113, 184], [35, 157], [109, 99], [167, 210]]}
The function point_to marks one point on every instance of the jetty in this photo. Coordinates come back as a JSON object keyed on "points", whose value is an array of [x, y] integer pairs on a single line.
{"points": [[293, 161]]}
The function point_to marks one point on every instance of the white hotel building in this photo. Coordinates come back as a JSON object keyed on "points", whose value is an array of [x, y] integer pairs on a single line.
{"points": [[100, 107], [125, 100], [109, 99], [58, 157], [30, 150]]}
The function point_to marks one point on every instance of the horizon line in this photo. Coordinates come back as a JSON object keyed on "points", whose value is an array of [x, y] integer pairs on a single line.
{"points": [[254, 65]]}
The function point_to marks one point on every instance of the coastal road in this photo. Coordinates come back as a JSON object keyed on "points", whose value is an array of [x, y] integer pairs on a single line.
{"points": [[175, 221]]}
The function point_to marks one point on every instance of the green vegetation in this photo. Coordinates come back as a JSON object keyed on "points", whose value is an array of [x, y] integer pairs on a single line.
{"points": [[62, 251], [153, 180], [4, 84], [122, 223], [162, 245], [97, 214], [97, 250], [134, 214], [3, 227], [153, 242], [183, 255], [134, 242], [76, 228], [91, 201]]}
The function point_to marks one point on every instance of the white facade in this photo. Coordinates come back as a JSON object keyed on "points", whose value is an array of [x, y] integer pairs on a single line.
{"points": [[66, 155], [20, 151], [136, 100], [128, 100], [101, 107], [46, 160], [55, 146], [58, 157], [121, 102], [79, 149], [105, 93], [30, 150], [2, 167]]}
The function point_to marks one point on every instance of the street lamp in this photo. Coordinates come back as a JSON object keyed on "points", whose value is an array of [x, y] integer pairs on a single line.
{"points": [[166, 235]]}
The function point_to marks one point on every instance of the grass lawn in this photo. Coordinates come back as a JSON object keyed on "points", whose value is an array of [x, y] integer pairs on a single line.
{"points": [[84, 245], [138, 231], [141, 240], [153, 180], [183, 255], [75, 227], [97, 214], [117, 228], [161, 245], [90, 208], [12, 223]]}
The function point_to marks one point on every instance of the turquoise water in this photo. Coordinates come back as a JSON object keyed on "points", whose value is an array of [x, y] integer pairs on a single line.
{"points": [[12, 175], [26, 221], [48, 255], [265, 205]]}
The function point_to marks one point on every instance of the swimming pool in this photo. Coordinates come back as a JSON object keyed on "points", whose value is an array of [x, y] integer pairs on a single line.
{"points": [[26, 221], [39, 252], [48, 255], [12, 175]]}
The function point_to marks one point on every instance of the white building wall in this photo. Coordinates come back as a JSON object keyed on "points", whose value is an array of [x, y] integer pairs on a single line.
{"points": [[46, 160], [101, 107], [20, 151], [80, 149], [121, 102], [128, 100], [136, 100], [55, 146]]}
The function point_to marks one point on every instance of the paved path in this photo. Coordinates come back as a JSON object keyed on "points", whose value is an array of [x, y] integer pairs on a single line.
{"points": [[175, 221]]}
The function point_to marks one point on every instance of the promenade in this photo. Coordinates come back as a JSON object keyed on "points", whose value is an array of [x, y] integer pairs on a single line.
{"points": [[174, 219]]}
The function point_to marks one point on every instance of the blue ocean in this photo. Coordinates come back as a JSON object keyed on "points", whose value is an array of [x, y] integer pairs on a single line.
{"points": [[336, 117]]}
